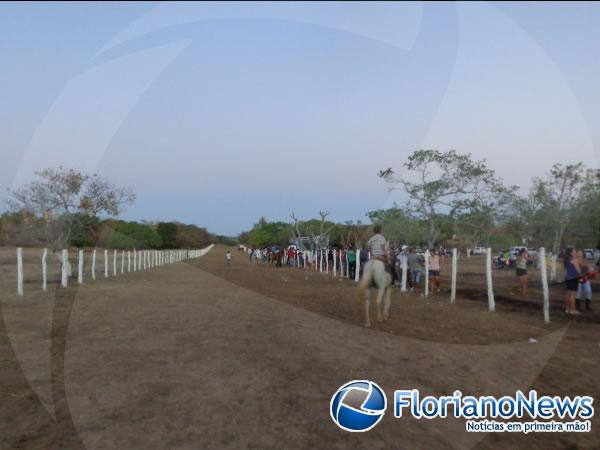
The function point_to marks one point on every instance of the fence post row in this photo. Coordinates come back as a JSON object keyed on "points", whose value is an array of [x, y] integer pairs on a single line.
{"points": [[145, 259]]}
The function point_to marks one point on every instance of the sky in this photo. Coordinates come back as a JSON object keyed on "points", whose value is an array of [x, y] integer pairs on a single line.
{"points": [[220, 113]]}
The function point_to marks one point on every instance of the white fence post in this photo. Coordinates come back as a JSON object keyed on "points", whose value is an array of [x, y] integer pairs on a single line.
{"points": [[114, 263], [488, 271], [453, 288], [65, 268], [105, 263], [544, 276], [357, 271], [404, 272], [94, 264], [134, 260], [44, 270], [122, 262], [80, 268], [334, 263], [19, 271], [426, 272], [128, 260]]}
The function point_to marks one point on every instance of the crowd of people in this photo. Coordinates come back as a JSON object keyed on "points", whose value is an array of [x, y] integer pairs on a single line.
{"points": [[579, 271]]}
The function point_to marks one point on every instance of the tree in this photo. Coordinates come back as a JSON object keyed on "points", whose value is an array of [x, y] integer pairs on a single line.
{"points": [[316, 230], [168, 233], [192, 236], [399, 226], [436, 180], [133, 235], [264, 233], [562, 193], [65, 199], [477, 217]]}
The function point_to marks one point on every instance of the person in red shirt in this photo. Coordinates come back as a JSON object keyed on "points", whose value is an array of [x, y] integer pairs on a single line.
{"points": [[291, 256]]}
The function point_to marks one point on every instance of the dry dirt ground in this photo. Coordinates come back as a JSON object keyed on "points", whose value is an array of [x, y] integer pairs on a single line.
{"points": [[203, 355]]}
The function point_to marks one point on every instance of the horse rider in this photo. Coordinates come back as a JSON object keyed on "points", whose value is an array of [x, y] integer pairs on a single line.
{"points": [[380, 249]]}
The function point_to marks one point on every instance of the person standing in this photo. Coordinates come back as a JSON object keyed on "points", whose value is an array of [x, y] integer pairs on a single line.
{"points": [[228, 258], [588, 272], [415, 264], [573, 269], [436, 264], [351, 263], [521, 271]]}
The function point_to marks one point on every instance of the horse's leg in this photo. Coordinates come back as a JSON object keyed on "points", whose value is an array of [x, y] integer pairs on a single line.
{"points": [[387, 302], [380, 293], [367, 300], [363, 291]]}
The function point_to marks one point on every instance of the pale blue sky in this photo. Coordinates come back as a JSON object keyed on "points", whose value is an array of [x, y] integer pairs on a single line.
{"points": [[217, 114]]}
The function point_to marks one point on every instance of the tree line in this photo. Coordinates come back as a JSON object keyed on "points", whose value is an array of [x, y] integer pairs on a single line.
{"points": [[66, 207], [455, 200]]}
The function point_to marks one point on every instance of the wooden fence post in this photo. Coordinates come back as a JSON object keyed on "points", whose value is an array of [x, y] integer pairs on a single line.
{"points": [[426, 273], [44, 270], [80, 268], [65, 268], [94, 264], [488, 271], [544, 276], [334, 263], [453, 288], [19, 271]]}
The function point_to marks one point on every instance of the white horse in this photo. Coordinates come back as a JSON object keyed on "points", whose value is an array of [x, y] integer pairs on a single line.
{"points": [[374, 271]]}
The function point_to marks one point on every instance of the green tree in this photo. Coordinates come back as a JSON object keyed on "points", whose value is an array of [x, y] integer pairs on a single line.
{"points": [[561, 193], [192, 236], [434, 180], [133, 235], [168, 233], [266, 233]]}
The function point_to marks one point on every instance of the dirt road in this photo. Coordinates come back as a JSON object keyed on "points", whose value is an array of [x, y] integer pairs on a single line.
{"points": [[204, 355]]}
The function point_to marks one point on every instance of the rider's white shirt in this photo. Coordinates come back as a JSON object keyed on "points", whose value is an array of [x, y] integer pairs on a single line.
{"points": [[378, 245]]}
